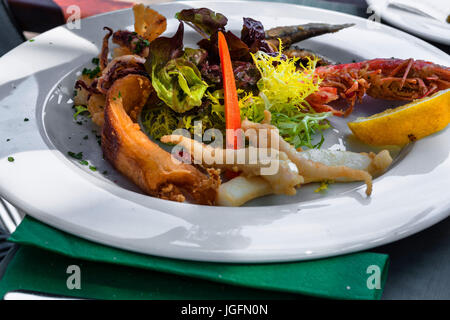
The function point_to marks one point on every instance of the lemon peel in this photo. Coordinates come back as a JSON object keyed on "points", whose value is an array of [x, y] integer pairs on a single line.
{"points": [[406, 123]]}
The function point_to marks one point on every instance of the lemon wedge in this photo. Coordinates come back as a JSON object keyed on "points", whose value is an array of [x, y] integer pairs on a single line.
{"points": [[406, 123]]}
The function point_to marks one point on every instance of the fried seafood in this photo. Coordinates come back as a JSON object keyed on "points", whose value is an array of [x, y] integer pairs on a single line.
{"points": [[118, 68], [83, 90], [94, 87], [91, 92], [148, 23], [130, 42], [374, 164], [282, 181], [242, 189], [96, 108], [294, 167], [313, 165], [393, 79], [133, 154], [317, 171], [237, 191], [105, 49]]}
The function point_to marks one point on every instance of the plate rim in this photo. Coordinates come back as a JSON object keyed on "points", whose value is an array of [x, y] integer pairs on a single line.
{"points": [[386, 13], [436, 219]]}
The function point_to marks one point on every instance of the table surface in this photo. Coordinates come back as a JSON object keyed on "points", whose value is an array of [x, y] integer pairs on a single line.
{"points": [[419, 265]]}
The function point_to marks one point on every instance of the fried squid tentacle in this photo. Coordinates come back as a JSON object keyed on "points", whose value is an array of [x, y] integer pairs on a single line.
{"points": [[105, 50], [132, 42], [242, 189], [283, 180], [118, 68], [314, 165], [133, 154], [312, 170]]}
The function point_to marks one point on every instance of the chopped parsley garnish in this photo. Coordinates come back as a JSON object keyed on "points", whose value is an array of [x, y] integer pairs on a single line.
{"points": [[85, 137], [26, 119], [74, 155], [84, 162], [79, 110], [31, 40], [95, 60], [10, 159], [7, 140], [93, 168], [118, 96], [91, 73], [105, 172], [141, 44]]}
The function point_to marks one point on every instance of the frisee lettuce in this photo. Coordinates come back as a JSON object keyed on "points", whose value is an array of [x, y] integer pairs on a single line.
{"points": [[160, 121], [283, 91]]}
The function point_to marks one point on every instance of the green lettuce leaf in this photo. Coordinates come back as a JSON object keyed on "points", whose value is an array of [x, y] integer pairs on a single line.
{"points": [[179, 85], [196, 56], [176, 80]]}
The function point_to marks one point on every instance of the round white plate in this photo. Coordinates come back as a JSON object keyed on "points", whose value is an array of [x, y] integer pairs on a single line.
{"points": [[37, 80], [423, 26]]}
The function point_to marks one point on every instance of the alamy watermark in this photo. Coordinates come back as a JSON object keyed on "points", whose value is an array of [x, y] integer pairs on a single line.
{"points": [[74, 279], [262, 148], [374, 280], [74, 17]]}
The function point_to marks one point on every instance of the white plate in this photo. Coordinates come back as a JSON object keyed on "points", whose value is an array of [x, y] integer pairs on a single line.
{"points": [[422, 26], [36, 82]]}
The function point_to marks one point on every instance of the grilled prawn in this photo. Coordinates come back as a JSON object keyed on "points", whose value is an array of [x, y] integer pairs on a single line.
{"points": [[391, 79]]}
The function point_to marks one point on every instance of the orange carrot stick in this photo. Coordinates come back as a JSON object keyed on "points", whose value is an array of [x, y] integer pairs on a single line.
{"points": [[232, 111]]}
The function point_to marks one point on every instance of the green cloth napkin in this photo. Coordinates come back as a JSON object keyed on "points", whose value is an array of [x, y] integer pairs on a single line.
{"points": [[114, 273]]}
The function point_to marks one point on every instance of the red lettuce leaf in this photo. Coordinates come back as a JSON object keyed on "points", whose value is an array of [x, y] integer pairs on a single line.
{"points": [[253, 36], [164, 49]]}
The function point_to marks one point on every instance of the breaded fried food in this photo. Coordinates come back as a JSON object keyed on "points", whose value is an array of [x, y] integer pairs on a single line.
{"points": [[96, 108], [133, 154], [148, 23]]}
